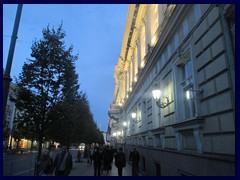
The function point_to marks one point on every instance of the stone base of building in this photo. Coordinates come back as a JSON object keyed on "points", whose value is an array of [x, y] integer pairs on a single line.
{"points": [[159, 162]]}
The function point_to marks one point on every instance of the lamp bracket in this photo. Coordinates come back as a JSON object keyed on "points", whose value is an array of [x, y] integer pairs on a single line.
{"points": [[136, 121], [200, 91], [161, 104]]}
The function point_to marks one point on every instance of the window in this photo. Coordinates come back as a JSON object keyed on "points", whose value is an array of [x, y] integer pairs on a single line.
{"points": [[143, 46], [188, 70], [185, 89], [153, 15], [139, 113], [187, 86]]}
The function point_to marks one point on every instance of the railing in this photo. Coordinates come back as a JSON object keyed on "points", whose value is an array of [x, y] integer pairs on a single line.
{"points": [[19, 165]]}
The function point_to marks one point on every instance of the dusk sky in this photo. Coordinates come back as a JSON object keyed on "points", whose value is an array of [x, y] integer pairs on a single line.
{"points": [[96, 33]]}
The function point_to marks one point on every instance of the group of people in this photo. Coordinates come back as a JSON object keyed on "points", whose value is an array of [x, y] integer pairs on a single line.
{"points": [[102, 158], [60, 166]]}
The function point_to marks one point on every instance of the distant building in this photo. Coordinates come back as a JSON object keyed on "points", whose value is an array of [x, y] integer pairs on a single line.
{"points": [[104, 137], [188, 52], [10, 113]]}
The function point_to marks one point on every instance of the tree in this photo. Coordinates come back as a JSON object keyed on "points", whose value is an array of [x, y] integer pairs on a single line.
{"points": [[41, 83], [48, 100]]}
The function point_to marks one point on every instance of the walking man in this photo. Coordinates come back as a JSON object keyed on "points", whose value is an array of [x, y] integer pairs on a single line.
{"points": [[107, 161], [134, 157], [97, 161], [120, 161]]}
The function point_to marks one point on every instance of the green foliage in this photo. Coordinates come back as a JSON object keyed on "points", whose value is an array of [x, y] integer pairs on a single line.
{"points": [[48, 100]]}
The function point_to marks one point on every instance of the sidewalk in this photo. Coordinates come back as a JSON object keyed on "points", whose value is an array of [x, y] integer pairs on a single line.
{"points": [[84, 169]]}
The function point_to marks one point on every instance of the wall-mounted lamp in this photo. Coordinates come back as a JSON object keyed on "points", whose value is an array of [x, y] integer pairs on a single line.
{"points": [[114, 134], [157, 95], [124, 123], [189, 95], [119, 133], [134, 115]]}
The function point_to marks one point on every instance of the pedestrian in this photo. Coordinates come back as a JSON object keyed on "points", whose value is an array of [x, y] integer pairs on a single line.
{"points": [[120, 161], [88, 154], [135, 158], [44, 166], [91, 155], [79, 156], [97, 158], [63, 162], [107, 161]]}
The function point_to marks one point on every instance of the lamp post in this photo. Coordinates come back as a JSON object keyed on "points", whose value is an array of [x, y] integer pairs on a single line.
{"points": [[6, 77]]}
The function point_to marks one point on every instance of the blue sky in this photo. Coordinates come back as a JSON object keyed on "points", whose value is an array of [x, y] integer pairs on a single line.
{"points": [[95, 31]]}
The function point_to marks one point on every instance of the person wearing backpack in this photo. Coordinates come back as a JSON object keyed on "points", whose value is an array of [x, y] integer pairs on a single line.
{"points": [[97, 158], [120, 161]]}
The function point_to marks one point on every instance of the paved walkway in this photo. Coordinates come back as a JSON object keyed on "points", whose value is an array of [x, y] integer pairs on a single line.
{"points": [[84, 169]]}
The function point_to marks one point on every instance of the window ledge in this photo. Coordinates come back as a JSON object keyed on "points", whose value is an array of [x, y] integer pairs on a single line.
{"points": [[193, 123]]}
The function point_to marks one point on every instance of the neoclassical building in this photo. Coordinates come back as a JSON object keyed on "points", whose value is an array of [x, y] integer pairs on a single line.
{"points": [[175, 89]]}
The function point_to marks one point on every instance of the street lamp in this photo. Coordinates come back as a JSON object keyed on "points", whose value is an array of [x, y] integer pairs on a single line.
{"points": [[157, 97], [191, 95], [6, 76]]}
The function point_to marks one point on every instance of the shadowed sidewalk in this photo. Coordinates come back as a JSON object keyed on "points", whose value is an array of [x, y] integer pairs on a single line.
{"points": [[84, 169]]}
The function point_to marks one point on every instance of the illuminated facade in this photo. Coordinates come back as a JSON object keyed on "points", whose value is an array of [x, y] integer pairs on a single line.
{"points": [[187, 52], [10, 113], [10, 117]]}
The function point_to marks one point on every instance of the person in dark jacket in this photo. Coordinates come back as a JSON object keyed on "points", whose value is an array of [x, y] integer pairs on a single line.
{"points": [[120, 161], [107, 161], [135, 158], [63, 162], [97, 161]]}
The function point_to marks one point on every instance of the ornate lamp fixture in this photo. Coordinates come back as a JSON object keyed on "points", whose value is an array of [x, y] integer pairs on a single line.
{"points": [[157, 97]]}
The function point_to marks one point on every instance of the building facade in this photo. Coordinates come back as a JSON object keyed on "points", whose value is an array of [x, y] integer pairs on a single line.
{"points": [[9, 116], [187, 53]]}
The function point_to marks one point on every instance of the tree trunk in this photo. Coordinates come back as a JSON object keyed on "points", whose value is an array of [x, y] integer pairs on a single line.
{"points": [[40, 146]]}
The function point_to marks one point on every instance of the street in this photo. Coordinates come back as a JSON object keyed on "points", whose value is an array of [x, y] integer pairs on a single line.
{"points": [[19, 164], [84, 169]]}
